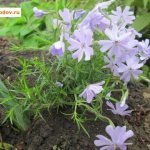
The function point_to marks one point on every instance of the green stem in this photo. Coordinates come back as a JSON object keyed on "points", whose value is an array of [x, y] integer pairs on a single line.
{"points": [[97, 114], [144, 78]]}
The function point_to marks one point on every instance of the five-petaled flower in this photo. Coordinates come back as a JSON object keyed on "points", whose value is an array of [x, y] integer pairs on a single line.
{"points": [[91, 91], [130, 69], [118, 109], [118, 42], [122, 17], [118, 137], [81, 42]]}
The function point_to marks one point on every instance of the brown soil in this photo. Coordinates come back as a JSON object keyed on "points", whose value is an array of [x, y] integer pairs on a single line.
{"points": [[58, 132], [9, 60], [139, 122]]}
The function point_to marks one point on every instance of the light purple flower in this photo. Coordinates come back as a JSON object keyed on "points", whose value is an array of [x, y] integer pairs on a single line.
{"points": [[122, 17], [134, 32], [118, 109], [118, 136], [91, 91], [58, 48], [64, 24], [130, 69], [39, 13], [79, 13], [81, 42], [66, 15], [119, 42], [112, 65], [144, 49], [115, 41], [95, 20]]}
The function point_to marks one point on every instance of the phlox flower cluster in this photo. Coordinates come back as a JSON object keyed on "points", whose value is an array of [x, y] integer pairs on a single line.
{"points": [[123, 54]]}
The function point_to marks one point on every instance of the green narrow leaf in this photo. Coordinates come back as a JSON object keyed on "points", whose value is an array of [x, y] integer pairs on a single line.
{"points": [[60, 4], [30, 42], [146, 70], [5, 146], [3, 90], [48, 22], [74, 3], [4, 31], [129, 2], [36, 1], [89, 4], [26, 8], [145, 2], [25, 30], [142, 21], [145, 79], [19, 117]]}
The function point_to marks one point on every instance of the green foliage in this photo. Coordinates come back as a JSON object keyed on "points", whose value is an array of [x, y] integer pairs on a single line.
{"points": [[84, 4], [146, 70], [34, 33], [60, 4], [26, 29], [129, 2], [14, 110], [5, 146], [142, 3], [35, 88], [141, 9], [145, 2], [142, 21], [146, 74]]}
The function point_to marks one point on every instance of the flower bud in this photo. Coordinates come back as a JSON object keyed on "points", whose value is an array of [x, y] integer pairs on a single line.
{"points": [[39, 13], [58, 48]]}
